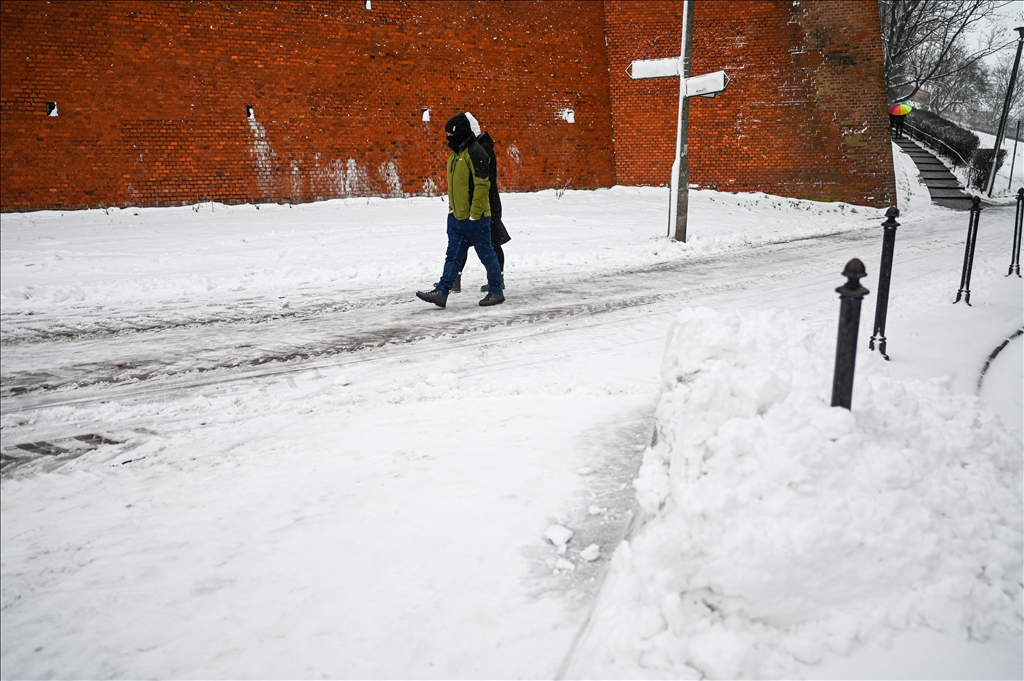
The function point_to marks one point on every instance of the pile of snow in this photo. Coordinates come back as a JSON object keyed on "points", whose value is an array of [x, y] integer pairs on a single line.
{"points": [[780, 527]]}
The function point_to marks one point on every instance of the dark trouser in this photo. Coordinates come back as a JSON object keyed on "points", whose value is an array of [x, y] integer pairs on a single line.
{"points": [[498, 251], [461, 235]]}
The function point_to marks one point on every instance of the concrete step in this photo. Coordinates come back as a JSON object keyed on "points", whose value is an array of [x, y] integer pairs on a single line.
{"points": [[943, 187], [956, 204], [946, 193]]}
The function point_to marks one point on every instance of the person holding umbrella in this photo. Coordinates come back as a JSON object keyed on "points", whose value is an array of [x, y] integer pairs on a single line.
{"points": [[897, 112]]}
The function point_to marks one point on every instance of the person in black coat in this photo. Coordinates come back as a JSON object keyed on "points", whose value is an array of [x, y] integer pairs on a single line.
{"points": [[896, 126], [499, 235]]}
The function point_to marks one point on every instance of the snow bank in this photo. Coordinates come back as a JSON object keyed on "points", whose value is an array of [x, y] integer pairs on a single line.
{"points": [[780, 527]]}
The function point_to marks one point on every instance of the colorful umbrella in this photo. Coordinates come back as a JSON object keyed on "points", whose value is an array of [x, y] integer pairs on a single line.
{"points": [[901, 109]]}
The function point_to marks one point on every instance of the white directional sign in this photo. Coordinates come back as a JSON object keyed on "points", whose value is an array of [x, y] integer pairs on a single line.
{"points": [[708, 85], [653, 68]]}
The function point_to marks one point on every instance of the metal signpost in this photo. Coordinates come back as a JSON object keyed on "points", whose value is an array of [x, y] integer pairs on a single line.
{"points": [[707, 85]]}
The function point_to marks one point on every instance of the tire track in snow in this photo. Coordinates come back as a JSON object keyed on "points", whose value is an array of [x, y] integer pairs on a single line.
{"points": [[190, 356], [28, 327]]}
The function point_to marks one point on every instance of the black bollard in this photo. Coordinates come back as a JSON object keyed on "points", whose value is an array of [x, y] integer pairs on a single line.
{"points": [[972, 239], [884, 275], [1018, 225], [850, 295]]}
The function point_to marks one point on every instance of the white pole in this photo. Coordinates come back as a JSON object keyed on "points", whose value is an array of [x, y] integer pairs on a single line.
{"points": [[680, 185]]}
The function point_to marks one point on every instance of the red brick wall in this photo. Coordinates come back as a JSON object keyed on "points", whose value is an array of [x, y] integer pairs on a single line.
{"points": [[804, 115], [152, 95], [152, 98]]}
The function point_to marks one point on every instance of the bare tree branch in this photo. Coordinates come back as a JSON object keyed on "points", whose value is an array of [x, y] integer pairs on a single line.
{"points": [[926, 41]]}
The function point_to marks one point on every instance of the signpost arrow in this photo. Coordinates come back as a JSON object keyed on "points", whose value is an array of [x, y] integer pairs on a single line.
{"points": [[653, 68], [708, 85]]}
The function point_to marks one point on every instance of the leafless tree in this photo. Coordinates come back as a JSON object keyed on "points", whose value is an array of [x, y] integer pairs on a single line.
{"points": [[928, 41], [960, 92], [991, 105]]}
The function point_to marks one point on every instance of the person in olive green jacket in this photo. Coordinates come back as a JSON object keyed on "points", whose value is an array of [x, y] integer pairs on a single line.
{"points": [[499, 234], [469, 214]]}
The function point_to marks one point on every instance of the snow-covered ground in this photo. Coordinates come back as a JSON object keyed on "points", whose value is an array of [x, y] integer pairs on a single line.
{"points": [[235, 445], [1003, 188]]}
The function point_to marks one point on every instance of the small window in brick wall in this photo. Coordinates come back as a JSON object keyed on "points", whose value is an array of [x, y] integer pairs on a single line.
{"points": [[250, 112], [426, 115], [51, 109], [368, 4]]}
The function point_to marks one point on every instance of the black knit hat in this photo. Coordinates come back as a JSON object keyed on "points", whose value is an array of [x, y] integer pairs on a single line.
{"points": [[458, 130]]}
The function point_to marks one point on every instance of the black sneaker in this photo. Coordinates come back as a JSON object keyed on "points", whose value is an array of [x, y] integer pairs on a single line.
{"points": [[487, 287], [435, 297], [457, 286], [492, 299]]}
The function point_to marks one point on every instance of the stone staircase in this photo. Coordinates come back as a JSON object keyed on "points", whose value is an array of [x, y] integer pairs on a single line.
{"points": [[942, 185]]}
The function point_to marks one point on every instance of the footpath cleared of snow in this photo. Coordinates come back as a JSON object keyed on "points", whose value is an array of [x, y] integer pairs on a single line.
{"points": [[391, 507]]}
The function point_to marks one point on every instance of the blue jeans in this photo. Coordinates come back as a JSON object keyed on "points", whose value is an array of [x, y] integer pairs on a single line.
{"points": [[461, 235]]}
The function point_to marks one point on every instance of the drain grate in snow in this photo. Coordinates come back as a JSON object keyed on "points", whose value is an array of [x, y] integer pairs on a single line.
{"points": [[59, 450]]}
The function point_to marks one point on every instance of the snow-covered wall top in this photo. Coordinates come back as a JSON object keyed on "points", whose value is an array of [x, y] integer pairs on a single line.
{"points": [[174, 103]]}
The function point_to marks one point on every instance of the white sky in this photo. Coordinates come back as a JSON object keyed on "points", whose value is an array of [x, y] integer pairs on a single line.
{"points": [[1011, 15]]}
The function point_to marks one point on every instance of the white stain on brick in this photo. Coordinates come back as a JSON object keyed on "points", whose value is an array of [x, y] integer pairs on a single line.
{"points": [[389, 173], [264, 158], [341, 178], [296, 188], [352, 180]]}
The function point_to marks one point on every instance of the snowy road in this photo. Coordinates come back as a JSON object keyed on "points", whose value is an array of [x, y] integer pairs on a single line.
{"points": [[100, 350], [350, 483]]}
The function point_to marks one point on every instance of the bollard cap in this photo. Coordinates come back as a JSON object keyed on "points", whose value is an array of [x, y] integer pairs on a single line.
{"points": [[975, 204], [890, 218], [853, 272]]}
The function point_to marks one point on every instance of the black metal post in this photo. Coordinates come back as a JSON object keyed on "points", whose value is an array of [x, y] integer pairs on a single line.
{"points": [[1001, 130], [884, 275], [972, 239], [1018, 227], [850, 295], [1013, 159]]}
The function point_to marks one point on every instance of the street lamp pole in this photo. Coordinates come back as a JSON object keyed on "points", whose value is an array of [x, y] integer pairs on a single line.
{"points": [[1006, 110]]}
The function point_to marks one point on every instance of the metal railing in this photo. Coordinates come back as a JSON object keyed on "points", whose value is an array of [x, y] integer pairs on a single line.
{"points": [[918, 131]]}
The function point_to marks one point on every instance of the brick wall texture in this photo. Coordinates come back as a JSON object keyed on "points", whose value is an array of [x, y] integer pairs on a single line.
{"points": [[153, 98]]}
